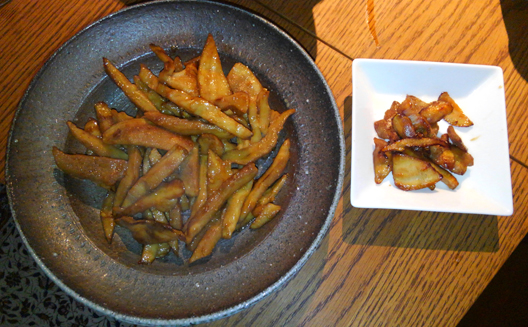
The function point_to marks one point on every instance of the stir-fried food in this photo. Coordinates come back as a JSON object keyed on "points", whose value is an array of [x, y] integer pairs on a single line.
{"points": [[409, 146], [184, 168]]}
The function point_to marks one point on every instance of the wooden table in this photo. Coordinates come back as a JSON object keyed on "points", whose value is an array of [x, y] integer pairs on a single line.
{"points": [[375, 267]]}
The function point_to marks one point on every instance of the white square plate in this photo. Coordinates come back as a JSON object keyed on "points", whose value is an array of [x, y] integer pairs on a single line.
{"points": [[479, 90]]}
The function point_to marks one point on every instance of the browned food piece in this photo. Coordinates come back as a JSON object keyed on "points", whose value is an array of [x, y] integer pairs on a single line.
{"points": [[261, 148], [158, 216], [131, 91], [385, 131], [436, 110], [201, 197], [455, 139], [442, 156], [149, 254], [153, 156], [462, 160], [156, 99], [237, 102], [264, 110], [212, 82], [434, 129], [210, 142], [403, 126], [411, 105], [204, 109], [451, 158], [457, 116], [445, 138], [185, 126], [241, 78], [104, 116], [264, 214], [447, 178], [163, 198], [217, 199], [164, 249], [191, 246], [149, 231], [139, 131], [131, 176], [92, 127], [160, 53], [185, 80], [119, 116], [411, 173], [254, 121], [156, 174], [170, 108], [194, 60], [107, 218], [168, 69], [421, 126], [103, 171], [382, 161], [208, 241], [189, 172], [271, 193], [175, 216], [231, 214], [218, 171], [406, 143], [393, 110], [266, 180], [95, 144]]}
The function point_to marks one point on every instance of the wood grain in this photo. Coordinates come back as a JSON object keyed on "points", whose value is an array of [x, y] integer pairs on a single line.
{"points": [[375, 267]]}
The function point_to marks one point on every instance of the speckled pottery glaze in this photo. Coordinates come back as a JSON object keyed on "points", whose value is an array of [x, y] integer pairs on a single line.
{"points": [[57, 216]]}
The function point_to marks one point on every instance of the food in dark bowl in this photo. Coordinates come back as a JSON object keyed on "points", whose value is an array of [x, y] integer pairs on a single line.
{"points": [[59, 215]]}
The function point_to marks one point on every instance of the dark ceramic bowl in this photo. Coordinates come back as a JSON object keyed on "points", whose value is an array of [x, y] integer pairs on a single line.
{"points": [[58, 216]]}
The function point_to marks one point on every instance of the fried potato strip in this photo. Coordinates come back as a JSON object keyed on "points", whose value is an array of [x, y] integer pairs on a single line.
{"points": [[147, 231], [155, 175], [103, 171], [270, 176], [139, 131], [261, 148], [131, 91], [218, 198]]}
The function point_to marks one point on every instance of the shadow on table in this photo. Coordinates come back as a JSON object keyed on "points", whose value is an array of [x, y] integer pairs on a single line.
{"points": [[413, 229], [515, 14]]}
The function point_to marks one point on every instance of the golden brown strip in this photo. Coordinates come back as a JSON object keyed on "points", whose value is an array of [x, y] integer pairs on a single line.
{"points": [[217, 199], [149, 231], [156, 174], [208, 242], [131, 91], [131, 176], [270, 176], [261, 148], [95, 144], [107, 218], [103, 171], [212, 82], [185, 126], [163, 198], [138, 131]]}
